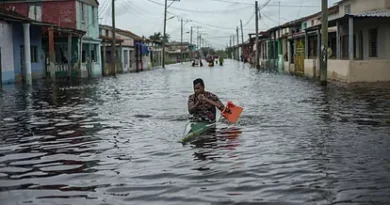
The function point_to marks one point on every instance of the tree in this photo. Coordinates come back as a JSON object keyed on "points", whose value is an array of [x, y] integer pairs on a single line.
{"points": [[159, 37], [155, 37], [167, 37]]}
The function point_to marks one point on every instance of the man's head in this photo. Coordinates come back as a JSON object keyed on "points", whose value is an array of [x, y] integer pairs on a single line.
{"points": [[198, 86]]}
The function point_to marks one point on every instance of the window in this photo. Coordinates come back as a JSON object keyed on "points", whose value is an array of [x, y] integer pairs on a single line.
{"points": [[373, 42], [82, 12], [34, 12], [312, 22], [93, 17], [93, 53], [34, 54], [83, 57], [126, 57], [347, 9]]}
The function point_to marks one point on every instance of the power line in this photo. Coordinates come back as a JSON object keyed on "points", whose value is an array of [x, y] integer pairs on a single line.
{"points": [[200, 11], [250, 19], [266, 16], [299, 9], [204, 24], [272, 5]]}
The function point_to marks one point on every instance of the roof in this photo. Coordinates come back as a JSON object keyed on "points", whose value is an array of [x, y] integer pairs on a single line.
{"points": [[108, 39], [372, 14], [174, 43], [122, 32], [331, 10]]}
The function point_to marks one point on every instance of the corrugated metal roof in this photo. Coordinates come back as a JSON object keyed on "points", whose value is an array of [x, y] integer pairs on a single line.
{"points": [[378, 13]]}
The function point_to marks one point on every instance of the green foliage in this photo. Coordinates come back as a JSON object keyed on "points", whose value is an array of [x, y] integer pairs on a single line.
{"points": [[159, 37]]}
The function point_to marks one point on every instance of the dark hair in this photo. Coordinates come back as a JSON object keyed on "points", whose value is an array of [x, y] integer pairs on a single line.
{"points": [[198, 81]]}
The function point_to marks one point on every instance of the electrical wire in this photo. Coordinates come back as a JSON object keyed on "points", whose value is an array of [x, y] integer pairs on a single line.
{"points": [[200, 11], [271, 5]]}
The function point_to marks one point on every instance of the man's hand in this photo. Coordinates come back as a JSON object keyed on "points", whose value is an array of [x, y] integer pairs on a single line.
{"points": [[228, 111], [201, 98]]}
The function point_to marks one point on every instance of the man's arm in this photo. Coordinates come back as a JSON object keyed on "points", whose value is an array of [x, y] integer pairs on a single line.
{"points": [[192, 106], [216, 102]]}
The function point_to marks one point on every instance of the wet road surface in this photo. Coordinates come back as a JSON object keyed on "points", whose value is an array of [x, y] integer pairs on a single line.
{"points": [[115, 141]]}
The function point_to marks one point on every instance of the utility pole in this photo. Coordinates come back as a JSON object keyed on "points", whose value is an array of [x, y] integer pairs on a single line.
{"points": [[197, 38], [234, 50], [231, 46], [242, 33], [257, 35], [164, 34], [238, 45], [181, 44], [191, 36], [279, 15], [191, 44], [324, 50], [113, 45], [242, 40]]}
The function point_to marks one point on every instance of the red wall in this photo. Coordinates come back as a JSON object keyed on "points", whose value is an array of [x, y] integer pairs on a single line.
{"points": [[61, 13], [20, 8]]}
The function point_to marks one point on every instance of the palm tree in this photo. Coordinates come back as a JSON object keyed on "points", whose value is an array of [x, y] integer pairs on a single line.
{"points": [[156, 37], [167, 37], [159, 37]]}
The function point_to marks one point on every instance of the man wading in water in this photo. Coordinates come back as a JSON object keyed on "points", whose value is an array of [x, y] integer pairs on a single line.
{"points": [[202, 104]]}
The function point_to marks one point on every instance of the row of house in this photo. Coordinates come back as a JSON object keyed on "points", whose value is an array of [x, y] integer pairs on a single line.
{"points": [[65, 40], [358, 41]]}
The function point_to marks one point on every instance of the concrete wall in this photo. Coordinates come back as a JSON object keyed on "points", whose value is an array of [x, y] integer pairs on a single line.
{"points": [[7, 50], [90, 24], [387, 4], [292, 68], [370, 71], [286, 67], [358, 6], [352, 71], [338, 70], [37, 68], [312, 67]]}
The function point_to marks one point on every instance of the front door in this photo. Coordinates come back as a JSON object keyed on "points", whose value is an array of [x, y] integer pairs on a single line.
{"points": [[300, 56]]}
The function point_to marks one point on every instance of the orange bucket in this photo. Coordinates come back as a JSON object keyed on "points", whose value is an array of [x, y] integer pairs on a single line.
{"points": [[231, 112]]}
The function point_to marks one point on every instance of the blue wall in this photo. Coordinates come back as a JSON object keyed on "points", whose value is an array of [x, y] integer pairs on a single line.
{"points": [[8, 77], [35, 40]]}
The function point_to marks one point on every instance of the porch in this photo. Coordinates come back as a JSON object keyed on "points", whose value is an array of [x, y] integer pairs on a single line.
{"points": [[359, 48], [107, 58], [61, 52]]}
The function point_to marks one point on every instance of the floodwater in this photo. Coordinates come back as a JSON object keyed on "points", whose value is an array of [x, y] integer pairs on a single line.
{"points": [[115, 141]]}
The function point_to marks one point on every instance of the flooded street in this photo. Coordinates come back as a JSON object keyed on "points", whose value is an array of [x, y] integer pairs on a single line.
{"points": [[115, 141]]}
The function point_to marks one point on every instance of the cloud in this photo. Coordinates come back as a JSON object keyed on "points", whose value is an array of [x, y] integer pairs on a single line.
{"points": [[218, 19]]}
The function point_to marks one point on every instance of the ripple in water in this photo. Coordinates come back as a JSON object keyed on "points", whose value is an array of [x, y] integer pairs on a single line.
{"points": [[114, 141]]}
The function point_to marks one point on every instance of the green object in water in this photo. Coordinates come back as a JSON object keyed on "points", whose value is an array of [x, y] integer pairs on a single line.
{"points": [[194, 129]]}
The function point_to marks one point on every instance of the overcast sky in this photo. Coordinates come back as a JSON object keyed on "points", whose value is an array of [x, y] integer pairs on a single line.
{"points": [[218, 19]]}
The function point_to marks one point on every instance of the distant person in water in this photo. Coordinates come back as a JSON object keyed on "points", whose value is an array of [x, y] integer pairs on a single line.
{"points": [[203, 104], [220, 60]]}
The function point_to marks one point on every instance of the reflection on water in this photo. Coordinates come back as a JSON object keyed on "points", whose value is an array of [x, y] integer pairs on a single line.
{"points": [[114, 141]]}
